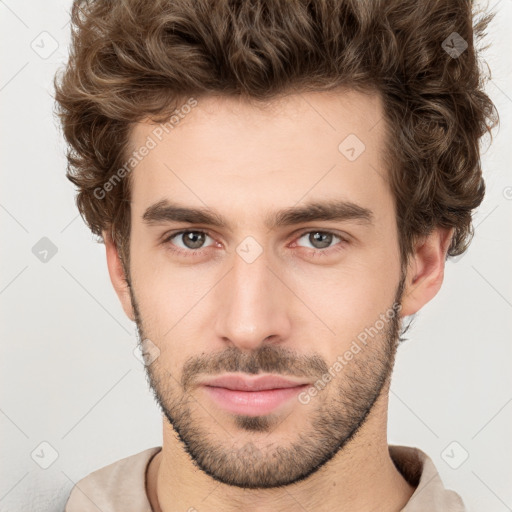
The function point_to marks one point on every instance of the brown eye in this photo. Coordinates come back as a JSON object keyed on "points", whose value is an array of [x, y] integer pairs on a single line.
{"points": [[187, 241]]}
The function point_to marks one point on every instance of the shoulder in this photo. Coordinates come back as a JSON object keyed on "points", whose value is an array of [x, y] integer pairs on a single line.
{"points": [[120, 485]]}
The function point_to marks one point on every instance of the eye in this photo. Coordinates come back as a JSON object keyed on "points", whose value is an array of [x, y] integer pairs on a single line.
{"points": [[192, 241], [321, 240]]}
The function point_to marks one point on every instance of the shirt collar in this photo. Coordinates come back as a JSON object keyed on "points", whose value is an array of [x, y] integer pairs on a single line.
{"points": [[430, 493]]}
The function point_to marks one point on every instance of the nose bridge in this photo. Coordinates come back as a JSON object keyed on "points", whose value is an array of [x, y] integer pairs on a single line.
{"points": [[252, 301]]}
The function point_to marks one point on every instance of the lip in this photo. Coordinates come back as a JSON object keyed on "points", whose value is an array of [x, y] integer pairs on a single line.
{"points": [[257, 383], [252, 396]]}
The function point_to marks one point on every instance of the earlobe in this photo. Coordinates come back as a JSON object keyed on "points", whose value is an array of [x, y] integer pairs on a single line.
{"points": [[117, 275], [425, 271]]}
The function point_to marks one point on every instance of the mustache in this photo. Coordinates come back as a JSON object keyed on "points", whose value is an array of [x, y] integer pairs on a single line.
{"points": [[266, 359]]}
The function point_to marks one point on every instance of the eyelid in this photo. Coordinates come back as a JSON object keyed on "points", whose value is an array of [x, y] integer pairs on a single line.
{"points": [[338, 234], [167, 237]]}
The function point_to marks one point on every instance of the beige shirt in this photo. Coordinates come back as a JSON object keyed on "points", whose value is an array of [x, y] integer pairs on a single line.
{"points": [[121, 486]]}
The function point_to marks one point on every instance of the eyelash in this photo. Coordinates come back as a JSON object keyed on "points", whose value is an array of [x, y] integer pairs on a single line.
{"points": [[198, 252]]}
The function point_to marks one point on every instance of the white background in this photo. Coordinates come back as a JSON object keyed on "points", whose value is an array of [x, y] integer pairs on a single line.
{"points": [[68, 373]]}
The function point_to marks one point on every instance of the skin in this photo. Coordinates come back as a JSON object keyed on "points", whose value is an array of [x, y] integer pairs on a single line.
{"points": [[286, 311]]}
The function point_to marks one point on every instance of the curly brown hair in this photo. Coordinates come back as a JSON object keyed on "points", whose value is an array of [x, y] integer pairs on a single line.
{"points": [[132, 60]]}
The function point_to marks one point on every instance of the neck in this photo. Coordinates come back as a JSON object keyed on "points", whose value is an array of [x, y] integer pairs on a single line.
{"points": [[360, 477]]}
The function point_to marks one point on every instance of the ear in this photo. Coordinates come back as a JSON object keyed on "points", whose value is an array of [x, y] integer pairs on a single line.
{"points": [[425, 271], [117, 275]]}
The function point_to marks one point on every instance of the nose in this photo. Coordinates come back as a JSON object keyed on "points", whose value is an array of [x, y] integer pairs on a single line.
{"points": [[253, 305]]}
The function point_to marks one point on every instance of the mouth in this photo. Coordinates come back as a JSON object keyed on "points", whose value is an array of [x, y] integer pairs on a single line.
{"points": [[252, 396]]}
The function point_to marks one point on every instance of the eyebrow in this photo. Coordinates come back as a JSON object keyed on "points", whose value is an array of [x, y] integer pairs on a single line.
{"points": [[164, 211]]}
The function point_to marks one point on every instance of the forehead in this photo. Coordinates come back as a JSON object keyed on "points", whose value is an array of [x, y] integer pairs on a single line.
{"points": [[228, 153]]}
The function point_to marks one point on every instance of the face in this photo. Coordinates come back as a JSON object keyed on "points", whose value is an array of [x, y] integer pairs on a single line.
{"points": [[308, 295]]}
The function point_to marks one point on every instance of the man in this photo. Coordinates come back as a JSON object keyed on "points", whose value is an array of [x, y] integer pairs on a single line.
{"points": [[278, 185]]}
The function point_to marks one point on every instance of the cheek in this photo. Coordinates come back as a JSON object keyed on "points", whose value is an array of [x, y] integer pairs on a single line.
{"points": [[173, 304], [168, 319], [169, 300], [345, 300]]}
